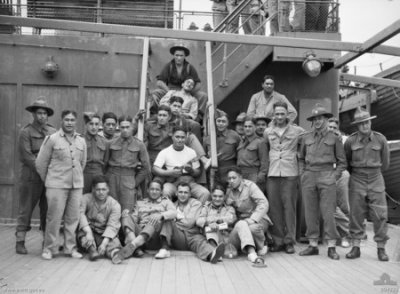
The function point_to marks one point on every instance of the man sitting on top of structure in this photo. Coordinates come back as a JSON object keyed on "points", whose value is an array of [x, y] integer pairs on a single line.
{"points": [[175, 73], [261, 103]]}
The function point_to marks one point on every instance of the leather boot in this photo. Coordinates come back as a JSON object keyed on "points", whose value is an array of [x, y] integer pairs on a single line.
{"points": [[310, 250], [354, 253], [382, 256], [332, 253], [20, 247], [93, 254]]}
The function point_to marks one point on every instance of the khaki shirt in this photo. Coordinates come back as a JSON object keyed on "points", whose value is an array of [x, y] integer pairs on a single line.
{"points": [[96, 150], [227, 143], [127, 153], [31, 138], [322, 152], [61, 161], [147, 207], [252, 153], [211, 214], [283, 150], [248, 201], [157, 138], [263, 106], [367, 152], [103, 219], [190, 211]]}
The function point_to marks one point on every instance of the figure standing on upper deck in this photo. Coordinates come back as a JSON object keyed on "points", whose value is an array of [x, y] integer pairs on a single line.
{"points": [[32, 190], [175, 73], [261, 103], [321, 163], [368, 155]]}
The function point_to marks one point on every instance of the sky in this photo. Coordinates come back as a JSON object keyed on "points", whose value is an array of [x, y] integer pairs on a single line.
{"points": [[360, 20]]}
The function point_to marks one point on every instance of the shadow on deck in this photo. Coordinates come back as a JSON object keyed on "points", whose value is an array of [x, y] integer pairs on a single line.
{"points": [[184, 273]]}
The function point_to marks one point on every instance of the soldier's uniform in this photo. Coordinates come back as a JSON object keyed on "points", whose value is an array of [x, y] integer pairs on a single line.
{"points": [[252, 159], [123, 156], [96, 149], [212, 214], [138, 221], [367, 157], [321, 162], [32, 190], [103, 220], [227, 143]]}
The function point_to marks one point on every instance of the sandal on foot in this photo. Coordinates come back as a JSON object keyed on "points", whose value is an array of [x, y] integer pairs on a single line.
{"points": [[259, 262]]}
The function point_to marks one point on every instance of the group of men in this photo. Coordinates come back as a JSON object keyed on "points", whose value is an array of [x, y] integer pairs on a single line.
{"points": [[112, 189], [309, 16]]}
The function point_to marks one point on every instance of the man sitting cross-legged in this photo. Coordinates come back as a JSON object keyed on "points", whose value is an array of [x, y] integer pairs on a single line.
{"points": [[217, 218], [183, 234], [179, 163], [99, 221], [143, 226]]}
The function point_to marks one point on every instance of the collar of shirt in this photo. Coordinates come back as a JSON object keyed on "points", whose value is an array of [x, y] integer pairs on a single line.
{"points": [[267, 98], [275, 127], [129, 139], [240, 188], [252, 137], [365, 139], [184, 62], [90, 137], [321, 133], [158, 200], [39, 127], [223, 133], [62, 133]]}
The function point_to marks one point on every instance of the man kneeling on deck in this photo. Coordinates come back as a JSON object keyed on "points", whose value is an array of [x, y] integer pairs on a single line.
{"points": [[183, 234], [143, 226], [217, 218], [99, 221], [251, 207]]}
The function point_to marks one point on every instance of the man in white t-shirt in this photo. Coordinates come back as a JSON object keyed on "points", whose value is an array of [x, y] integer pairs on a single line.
{"points": [[179, 163]]}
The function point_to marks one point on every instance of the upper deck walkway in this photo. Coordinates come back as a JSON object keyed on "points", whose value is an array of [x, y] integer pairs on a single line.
{"points": [[184, 273]]}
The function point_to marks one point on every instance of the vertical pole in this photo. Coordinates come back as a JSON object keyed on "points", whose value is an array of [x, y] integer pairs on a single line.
{"points": [[143, 85], [211, 109]]}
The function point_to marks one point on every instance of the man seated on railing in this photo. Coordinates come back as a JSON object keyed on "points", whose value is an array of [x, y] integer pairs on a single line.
{"points": [[179, 163], [175, 73], [261, 103]]}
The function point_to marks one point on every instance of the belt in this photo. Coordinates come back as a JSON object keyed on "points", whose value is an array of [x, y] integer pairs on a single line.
{"points": [[227, 163], [320, 167], [93, 168], [249, 169], [366, 170], [125, 171]]}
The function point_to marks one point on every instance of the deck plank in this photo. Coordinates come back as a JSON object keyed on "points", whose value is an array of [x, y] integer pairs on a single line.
{"points": [[184, 273]]}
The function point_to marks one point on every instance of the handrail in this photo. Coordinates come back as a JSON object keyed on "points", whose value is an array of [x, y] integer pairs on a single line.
{"points": [[231, 16]]}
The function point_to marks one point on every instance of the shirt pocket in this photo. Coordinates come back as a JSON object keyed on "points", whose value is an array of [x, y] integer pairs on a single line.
{"points": [[133, 153], [102, 149], [60, 152], [357, 152], [79, 149], [36, 143], [375, 153], [329, 148]]}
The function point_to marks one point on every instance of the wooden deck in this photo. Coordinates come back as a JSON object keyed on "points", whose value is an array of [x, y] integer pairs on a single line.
{"points": [[184, 273]]}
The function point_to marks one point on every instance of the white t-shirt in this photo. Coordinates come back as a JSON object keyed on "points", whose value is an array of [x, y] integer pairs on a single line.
{"points": [[170, 158]]}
